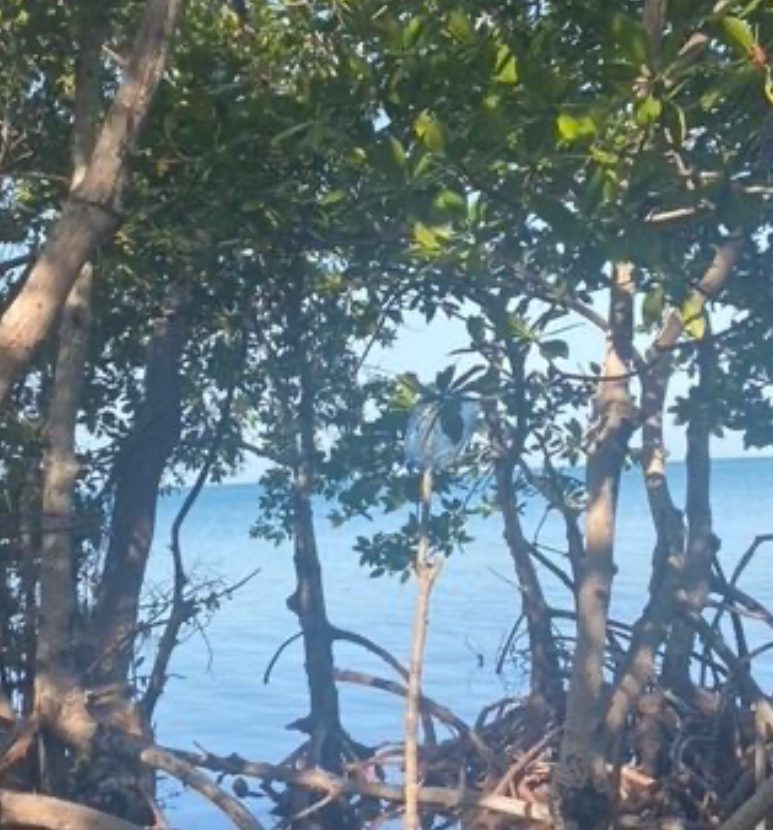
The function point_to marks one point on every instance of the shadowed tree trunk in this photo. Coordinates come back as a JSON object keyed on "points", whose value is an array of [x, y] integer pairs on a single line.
{"points": [[701, 542], [58, 569], [92, 211], [138, 470], [545, 666], [581, 790], [56, 641], [308, 599]]}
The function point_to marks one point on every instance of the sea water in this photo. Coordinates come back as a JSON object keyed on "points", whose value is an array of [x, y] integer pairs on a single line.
{"points": [[216, 697]]}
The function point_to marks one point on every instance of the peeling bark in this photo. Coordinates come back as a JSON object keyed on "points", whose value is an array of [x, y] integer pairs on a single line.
{"points": [[91, 212]]}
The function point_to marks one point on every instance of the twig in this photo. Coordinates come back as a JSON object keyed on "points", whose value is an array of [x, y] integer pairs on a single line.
{"points": [[183, 609], [278, 653], [747, 557]]}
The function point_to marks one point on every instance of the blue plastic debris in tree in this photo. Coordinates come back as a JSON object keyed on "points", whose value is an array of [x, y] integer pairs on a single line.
{"points": [[427, 444]]}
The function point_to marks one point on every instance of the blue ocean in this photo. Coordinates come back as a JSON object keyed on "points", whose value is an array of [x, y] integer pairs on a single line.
{"points": [[216, 697]]}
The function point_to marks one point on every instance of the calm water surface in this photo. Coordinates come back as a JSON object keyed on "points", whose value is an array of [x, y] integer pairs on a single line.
{"points": [[217, 697]]}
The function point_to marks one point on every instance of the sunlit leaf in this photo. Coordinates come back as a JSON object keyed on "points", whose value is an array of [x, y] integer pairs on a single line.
{"points": [[450, 201], [738, 34], [693, 317], [648, 111], [430, 132], [505, 68], [572, 129], [460, 27]]}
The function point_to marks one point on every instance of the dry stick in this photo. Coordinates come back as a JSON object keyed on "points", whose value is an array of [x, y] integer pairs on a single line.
{"points": [[426, 572], [317, 780], [19, 810]]}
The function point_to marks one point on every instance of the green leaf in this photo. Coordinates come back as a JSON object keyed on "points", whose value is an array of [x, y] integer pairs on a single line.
{"points": [[505, 68], [450, 201], [333, 197], [693, 317], [430, 132], [554, 349], [412, 31], [398, 151], [648, 111], [459, 27], [425, 237], [769, 86], [738, 34], [574, 129], [406, 392], [630, 37], [519, 329], [444, 377], [451, 421], [653, 305], [476, 327]]}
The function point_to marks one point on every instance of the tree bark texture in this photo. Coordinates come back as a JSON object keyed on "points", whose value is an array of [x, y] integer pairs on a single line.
{"points": [[91, 212], [654, 624], [581, 789]]}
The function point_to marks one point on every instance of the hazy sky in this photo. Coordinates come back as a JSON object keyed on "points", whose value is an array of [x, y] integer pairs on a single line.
{"points": [[426, 348]]}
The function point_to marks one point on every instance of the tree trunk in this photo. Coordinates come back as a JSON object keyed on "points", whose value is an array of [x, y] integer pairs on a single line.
{"points": [[139, 467], [545, 666], [91, 213], [56, 639], [652, 628], [58, 591], [701, 542], [308, 599], [323, 724], [581, 791]]}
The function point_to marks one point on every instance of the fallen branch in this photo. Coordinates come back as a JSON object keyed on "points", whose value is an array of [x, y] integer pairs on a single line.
{"points": [[428, 705], [319, 781], [186, 773], [42, 812]]}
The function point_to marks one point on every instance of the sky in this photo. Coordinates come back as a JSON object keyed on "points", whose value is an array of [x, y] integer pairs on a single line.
{"points": [[426, 348]]}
